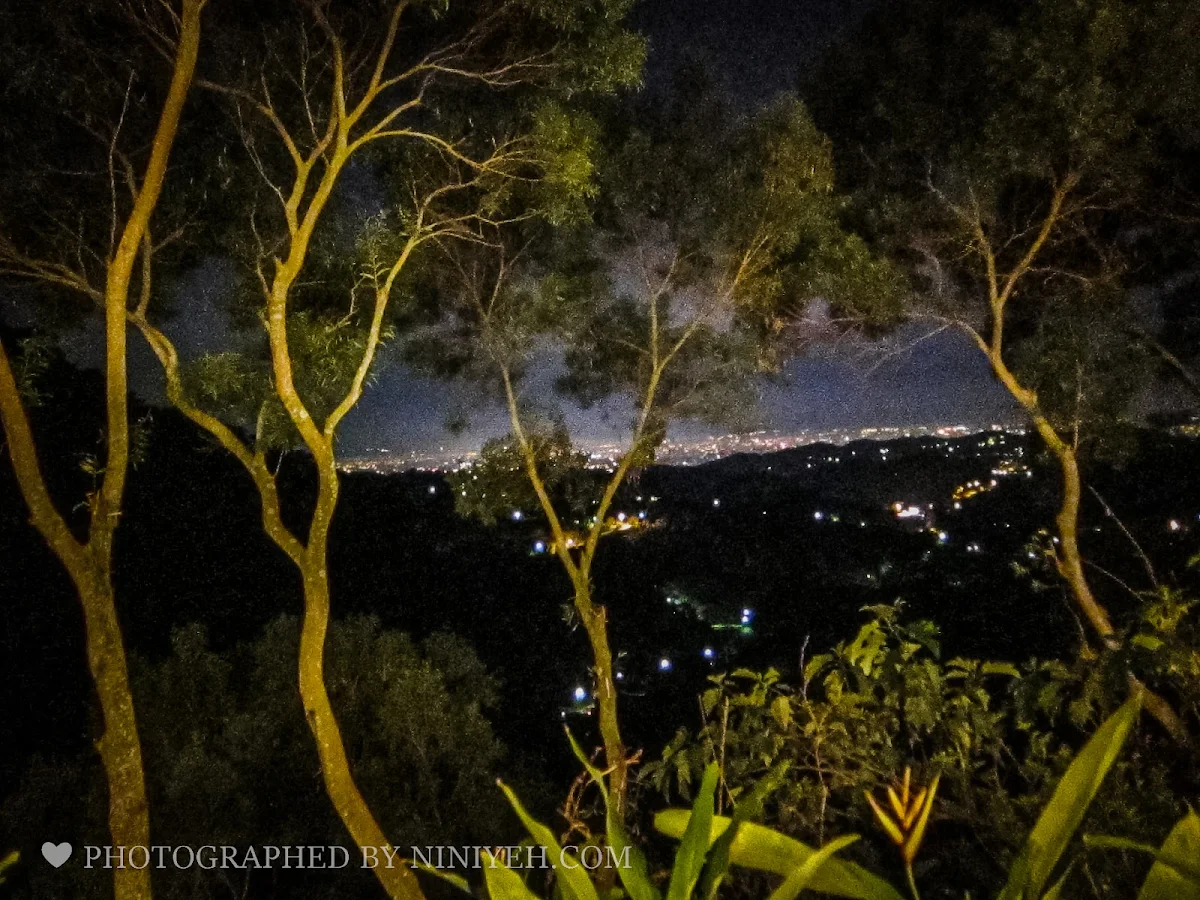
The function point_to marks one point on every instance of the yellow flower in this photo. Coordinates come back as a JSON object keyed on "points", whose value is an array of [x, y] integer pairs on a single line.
{"points": [[905, 824]]}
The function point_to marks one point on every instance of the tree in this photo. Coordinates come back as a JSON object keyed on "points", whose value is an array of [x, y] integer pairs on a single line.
{"points": [[717, 226], [96, 259], [1021, 228], [229, 761], [454, 104]]}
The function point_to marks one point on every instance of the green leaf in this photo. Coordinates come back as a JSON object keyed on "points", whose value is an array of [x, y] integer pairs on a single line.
{"points": [[781, 711], [636, 874], [575, 885], [503, 883], [1067, 807], [1056, 892], [449, 877], [1001, 668], [1175, 874], [8, 862], [717, 864], [799, 879], [758, 847], [689, 859], [1146, 641]]}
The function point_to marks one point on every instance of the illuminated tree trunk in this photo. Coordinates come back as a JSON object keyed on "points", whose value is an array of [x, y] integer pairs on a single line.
{"points": [[396, 877], [119, 748], [1068, 558], [90, 563], [90, 568], [595, 623]]}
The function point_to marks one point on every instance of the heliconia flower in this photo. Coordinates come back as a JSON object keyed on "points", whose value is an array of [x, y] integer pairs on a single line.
{"points": [[905, 823]]}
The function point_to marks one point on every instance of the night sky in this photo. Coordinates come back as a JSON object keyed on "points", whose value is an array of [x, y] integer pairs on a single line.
{"points": [[756, 48]]}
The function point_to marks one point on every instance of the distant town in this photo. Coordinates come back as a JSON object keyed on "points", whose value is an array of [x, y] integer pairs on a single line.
{"points": [[681, 452]]}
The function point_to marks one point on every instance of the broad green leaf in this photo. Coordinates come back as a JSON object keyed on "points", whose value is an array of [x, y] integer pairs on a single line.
{"points": [[1175, 874], [573, 882], [747, 809], [1061, 816], [758, 847], [799, 879], [503, 883], [693, 847]]}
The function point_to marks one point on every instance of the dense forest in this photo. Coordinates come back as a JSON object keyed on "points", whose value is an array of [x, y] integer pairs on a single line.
{"points": [[237, 663]]}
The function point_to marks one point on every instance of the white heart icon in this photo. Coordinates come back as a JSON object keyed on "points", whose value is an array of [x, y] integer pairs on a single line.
{"points": [[56, 854]]}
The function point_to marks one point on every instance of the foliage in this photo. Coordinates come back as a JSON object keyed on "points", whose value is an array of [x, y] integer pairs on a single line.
{"points": [[497, 483], [996, 735], [229, 761], [708, 846]]}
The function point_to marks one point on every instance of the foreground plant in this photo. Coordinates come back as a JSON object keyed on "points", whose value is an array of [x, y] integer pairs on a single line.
{"points": [[710, 844], [905, 825]]}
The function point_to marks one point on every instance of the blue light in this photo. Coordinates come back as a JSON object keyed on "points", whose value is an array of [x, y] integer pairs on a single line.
{"points": [[664, 665], [580, 695], [517, 515], [539, 547], [818, 515], [710, 653]]}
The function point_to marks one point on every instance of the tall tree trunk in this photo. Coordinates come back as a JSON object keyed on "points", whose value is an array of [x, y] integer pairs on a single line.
{"points": [[595, 623], [91, 573], [395, 876], [119, 748], [1069, 559], [90, 563]]}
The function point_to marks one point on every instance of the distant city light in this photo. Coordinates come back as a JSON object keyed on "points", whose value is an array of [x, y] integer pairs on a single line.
{"points": [[620, 676], [709, 653], [818, 515], [747, 615], [1174, 525], [433, 489], [580, 694], [716, 501], [973, 547], [642, 514], [943, 537], [621, 517], [517, 515], [539, 546], [664, 665]]}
